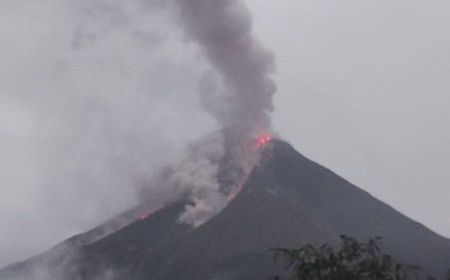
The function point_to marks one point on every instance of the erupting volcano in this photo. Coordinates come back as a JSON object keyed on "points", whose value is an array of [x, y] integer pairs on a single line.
{"points": [[263, 140], [286, 201], [232, 197]]}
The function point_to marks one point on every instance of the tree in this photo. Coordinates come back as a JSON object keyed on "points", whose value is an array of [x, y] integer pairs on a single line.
{"points": [[352, 260]]}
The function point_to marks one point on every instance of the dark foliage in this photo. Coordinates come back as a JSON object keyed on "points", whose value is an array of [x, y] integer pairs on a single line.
{"points": [[352, 260]]}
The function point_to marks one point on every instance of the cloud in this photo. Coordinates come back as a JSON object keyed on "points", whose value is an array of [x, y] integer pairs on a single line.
{"points": [[94, 97]]}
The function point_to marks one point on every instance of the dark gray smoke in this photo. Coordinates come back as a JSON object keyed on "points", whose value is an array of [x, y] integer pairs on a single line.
{"points": [[237, 91], [222, 28]]}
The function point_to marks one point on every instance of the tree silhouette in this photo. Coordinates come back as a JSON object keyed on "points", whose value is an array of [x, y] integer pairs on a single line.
{"points": [[352, 260]]}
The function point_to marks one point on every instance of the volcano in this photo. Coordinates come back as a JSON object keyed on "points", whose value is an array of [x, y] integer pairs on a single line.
{"points": [[287, 201]]}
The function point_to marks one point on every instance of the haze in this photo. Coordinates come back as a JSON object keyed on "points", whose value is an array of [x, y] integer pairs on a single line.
{"points": [[96, 95]]}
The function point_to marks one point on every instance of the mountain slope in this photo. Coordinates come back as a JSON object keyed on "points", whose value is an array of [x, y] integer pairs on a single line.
{"points": [[287, 201]]}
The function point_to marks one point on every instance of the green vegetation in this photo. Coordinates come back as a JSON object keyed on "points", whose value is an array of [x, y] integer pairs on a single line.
{"points": [[352, 260]]}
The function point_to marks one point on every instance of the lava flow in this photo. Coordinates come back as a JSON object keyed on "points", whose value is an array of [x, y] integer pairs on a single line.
{"points": [[263, 140], [149, 213]]}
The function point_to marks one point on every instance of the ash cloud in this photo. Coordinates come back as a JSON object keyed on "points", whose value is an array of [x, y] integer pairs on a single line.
{"points": [[237, 92], [96, 95], [91, 99], [223, 30]]}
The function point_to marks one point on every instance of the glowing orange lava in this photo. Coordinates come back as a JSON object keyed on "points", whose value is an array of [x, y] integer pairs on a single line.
{"points": [[149, 213], [263, 140], [145, 216]]}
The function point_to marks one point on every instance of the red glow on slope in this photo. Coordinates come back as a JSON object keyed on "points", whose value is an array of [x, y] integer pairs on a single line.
{"points": [[263, 140], [150, 213], [145, 215]]}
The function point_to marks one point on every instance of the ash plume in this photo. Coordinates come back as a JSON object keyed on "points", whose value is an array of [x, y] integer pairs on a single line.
{"points": [[222, 29], [237, 92]]}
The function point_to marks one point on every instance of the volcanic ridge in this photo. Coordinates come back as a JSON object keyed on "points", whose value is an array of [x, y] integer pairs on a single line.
{"points": [[287, 201]]}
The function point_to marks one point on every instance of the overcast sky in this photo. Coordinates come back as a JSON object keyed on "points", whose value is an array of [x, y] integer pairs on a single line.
{"points": [[364, 88], [96, 94]]}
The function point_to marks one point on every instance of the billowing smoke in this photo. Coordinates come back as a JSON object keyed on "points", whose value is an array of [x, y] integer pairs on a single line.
{"points": [[222, 28], [237, 91], [98, 94]]}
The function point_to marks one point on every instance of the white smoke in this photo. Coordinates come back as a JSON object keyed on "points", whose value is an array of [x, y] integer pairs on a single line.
{"points": [[197, 178]]}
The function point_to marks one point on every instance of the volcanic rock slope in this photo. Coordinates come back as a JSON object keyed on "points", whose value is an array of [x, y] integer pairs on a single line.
{"points": [[287, 201]]}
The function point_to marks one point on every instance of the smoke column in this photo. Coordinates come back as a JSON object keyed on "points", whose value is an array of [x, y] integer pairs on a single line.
{"points": [[237, 92], [222, 28]]}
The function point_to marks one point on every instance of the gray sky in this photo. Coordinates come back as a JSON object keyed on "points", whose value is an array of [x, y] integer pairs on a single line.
{"points": [[364, 89], [96, 94]]}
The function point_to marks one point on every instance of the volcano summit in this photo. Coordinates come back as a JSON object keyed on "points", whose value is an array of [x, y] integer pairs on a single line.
{"points": [[287, 201]]}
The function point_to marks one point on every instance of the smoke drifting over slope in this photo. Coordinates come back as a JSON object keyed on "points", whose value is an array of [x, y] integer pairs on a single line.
{"points": [[97, 95], [93, 99], [237, 92]]}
